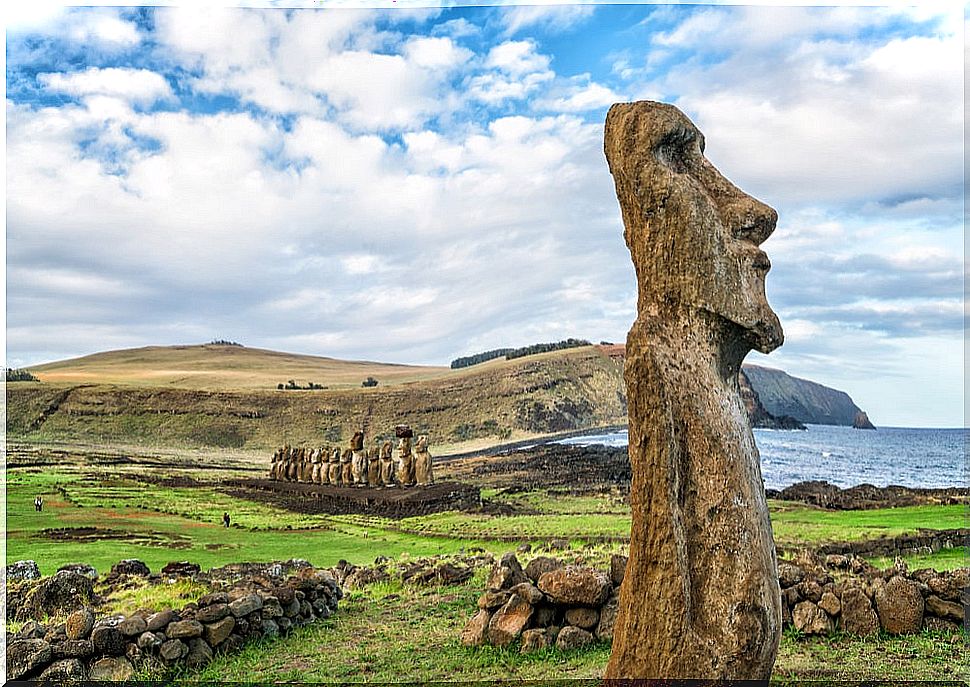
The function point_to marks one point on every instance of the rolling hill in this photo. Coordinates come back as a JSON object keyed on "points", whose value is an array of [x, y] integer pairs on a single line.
{"points": [[227, 396]]}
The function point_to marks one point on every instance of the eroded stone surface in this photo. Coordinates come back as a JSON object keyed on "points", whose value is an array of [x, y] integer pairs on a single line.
{"points": [[700, 596]]}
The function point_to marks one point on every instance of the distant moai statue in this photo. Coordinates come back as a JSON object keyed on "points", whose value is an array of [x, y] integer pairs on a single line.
{"points": [[423, 473], [274, 466], [346, 468], [333, 467], [358, 459], [305, 465], [316, 474], [290, 464], [405, 459], [387, 464], [374, 467]]}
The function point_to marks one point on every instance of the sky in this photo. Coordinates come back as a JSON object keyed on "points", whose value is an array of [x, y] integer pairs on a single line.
{"points": [[412, 184]]}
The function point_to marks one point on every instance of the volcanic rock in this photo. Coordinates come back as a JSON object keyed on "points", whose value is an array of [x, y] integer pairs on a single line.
{"points": [[79, 624], [576, 586], [508, 622], [25, 656], [111, 669], [475, 631], [899, 605], [571, 637]]}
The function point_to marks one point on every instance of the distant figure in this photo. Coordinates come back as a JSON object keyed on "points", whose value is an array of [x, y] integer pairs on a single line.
{"points": [[225, 519], [39, 504]]}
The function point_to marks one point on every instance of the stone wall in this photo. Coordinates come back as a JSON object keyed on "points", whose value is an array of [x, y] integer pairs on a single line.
{"points": [[548, 603], [114, 647]]}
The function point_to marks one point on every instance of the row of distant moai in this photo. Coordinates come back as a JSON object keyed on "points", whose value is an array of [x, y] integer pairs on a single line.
{"points": [[355, 466]]}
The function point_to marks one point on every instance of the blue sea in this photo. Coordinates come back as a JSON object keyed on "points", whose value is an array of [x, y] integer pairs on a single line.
{"points": [[846, 457]]}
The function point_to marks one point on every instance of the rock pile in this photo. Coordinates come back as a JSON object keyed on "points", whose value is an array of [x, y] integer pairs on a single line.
{"points": [[84, 647], [546, 603], [549, 603]]}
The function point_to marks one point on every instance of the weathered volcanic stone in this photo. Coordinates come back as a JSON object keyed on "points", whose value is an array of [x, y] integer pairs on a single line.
{"points": [[944, 609], [215, 633], [73, 648], [158, 621], [950, 585], [528, 591], [25, 656], [493, 600], [212, 613], [571, 637], [586, 618], [700, 597], [245, 605], [173, 650], [506, 574], [148, 641], [111, 669], [199, 653], [132, 626], [184, 629], [899, 605], [108, 641], [508, 622], [574, 585], [830, 604], [63, 592], [23, 570], [541, 564], [810, 619], [858, 616], [130, 566], [534, 640], [789, 575], [604, 630], [617, 569], [65, 670], [475, 631], [79, 624], [81, 569]]}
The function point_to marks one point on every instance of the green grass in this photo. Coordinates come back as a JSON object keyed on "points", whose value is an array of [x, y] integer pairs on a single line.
{"points": [[946, 559]]}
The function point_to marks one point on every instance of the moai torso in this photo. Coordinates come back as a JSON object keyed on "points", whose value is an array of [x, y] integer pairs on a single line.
{"points": [[405, 462], [317, 475], [700, 597], [346, 468], [387, 464], [373, 468], [333, 467], [423, 474]]}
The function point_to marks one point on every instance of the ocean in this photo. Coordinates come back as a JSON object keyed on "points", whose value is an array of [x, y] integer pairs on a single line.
{"points": [[846, 457]]}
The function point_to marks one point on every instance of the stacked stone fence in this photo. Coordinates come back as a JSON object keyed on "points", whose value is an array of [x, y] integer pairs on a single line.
{"points": [[549, 603], [926, 542], [262, 604]]}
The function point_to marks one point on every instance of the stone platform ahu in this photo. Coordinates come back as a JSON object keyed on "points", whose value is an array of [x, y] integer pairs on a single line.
{"points": [[700, 598]]}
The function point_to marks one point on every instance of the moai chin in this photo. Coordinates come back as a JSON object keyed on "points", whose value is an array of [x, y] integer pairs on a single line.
{"points": [[700, 597]]}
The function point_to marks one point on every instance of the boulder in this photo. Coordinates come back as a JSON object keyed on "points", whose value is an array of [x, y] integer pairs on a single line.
{"points": [[173, 650], [789, 575], [81, 569], [111, 669], [604, 630], [184, 629], [543, 615], [215, 633], [492, 600], [133, 626], [148, 641], [528, 591], [475, 631], [59, 594], [830, 604], [858, 616], [269, 628], [810, 619], [584, 617], [575, 586], [65, 670], [506, 573], [950, 585], [181, 569], [217, 598], [23, 570], [130, 566], [899, 605], [508, 622], [211, 614], [541, 564], [934, 624], [810, 590], [79, 624], [535, 640], [245, 605], [31, 630], [73, 648], [25, 656], [617, 569], [571, 637], [108, 641], [944, 609], [157, 621], [199, 654]]}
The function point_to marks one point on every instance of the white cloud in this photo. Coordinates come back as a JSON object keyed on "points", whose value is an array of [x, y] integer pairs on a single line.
{"points": [[139, 86], [580, 95], [550, 16]]}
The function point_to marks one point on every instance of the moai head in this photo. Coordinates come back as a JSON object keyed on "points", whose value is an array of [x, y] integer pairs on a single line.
{"points": [[357, 441], [386, 450], [421, 445], [335, 456], [404, 446], [318, 455], [693, 235]]}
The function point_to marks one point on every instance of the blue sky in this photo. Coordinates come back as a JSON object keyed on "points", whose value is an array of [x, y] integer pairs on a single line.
{"points": [[414, 184]]}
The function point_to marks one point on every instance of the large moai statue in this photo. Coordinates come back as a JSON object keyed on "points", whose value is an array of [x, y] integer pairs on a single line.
{"points": [[387, 464], [274, 466], [700, 597], [304, 467], [423, 473], [405, 459], [374, 467], [290, 464], [347, 468], [333, 467], [316, 473], [358, 459]]}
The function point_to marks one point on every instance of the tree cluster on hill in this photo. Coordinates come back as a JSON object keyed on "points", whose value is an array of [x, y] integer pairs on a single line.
{"points": [[510, 353], [292, 385], [370, 381], [15, 375], [469, 360], [224, 342]]}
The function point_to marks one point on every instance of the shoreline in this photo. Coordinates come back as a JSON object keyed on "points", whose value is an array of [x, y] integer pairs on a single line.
{"points": [[508, 447]]}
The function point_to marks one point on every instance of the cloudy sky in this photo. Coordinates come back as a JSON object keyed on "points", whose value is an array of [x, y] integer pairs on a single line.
{"points": [[412, 185]]}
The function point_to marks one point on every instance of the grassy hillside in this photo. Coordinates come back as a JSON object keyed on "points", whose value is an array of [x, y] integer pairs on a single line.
{"points": [[551, 392], [213, 367]]}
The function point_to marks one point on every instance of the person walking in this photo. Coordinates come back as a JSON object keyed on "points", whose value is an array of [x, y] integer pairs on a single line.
{"points": [[225, 519], [39, 504]]}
